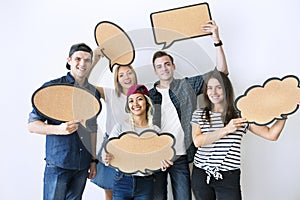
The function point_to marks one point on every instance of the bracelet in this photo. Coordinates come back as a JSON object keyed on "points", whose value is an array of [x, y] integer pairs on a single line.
{"points": [[218, 44], [95, 161]]}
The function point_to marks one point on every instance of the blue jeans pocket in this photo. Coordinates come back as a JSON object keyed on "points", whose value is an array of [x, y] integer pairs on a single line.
{"points": [[118, 176], [49, 165]]}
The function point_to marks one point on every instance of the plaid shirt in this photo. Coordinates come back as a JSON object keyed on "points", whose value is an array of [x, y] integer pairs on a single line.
{"points": [[183, 94]]}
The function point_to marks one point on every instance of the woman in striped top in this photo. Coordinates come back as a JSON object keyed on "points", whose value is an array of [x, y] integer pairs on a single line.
{"points": [[217, 133]]}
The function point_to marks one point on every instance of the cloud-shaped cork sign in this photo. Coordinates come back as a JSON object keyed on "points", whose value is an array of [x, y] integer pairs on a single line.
{"points": [[274, 99], [115, 44], [140, 153], [66, 103], [179, 23]]}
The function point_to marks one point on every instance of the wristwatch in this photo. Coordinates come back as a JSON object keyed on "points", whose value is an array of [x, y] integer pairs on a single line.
{"points": [[95, 161], [220, 43]]}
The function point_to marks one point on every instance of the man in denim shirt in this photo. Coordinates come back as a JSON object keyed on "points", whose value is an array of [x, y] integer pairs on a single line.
{"points": [[174, 101], [70, 147]]}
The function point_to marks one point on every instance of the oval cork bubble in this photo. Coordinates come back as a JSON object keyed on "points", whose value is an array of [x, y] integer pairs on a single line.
{"points": [[115, 44], [66, 103]]}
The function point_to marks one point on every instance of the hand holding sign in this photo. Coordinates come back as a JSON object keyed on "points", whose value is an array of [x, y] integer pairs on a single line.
{"points": [[180, 23], [276, 98], [140, 153], [115, 44], [66, 103]]}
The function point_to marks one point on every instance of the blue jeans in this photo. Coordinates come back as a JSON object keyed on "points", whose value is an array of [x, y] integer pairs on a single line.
{"points": [[180, 180], [63, 184], [128, 187], [228, 188]]}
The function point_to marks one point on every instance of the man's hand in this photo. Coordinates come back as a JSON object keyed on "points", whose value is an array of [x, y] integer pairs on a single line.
{"points": [[165, 164], [93, 170], [211, 27], [68, 127]]}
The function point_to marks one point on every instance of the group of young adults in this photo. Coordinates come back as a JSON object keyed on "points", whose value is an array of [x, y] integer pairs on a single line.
{"points": [[209, 136]]}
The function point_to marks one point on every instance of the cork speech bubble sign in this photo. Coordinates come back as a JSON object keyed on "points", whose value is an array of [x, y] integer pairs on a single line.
{"points": [[66, 103], [274, 99], [140, 153], [179, 23], [115, 44]]}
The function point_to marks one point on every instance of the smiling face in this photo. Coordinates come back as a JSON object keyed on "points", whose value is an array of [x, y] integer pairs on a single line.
{"points": [[137, 104], [126, 77], [215, 91], [80, 63], [164, 68]]}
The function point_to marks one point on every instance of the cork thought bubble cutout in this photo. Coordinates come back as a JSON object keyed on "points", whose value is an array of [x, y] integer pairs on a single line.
{"points": [[263, 104], [140, 153], [179, 23], [66, 103], [115, 44]]}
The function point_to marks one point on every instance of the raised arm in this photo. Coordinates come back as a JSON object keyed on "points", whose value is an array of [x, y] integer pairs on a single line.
{"points": [[269, 133], [221, 63], [97, 56]]}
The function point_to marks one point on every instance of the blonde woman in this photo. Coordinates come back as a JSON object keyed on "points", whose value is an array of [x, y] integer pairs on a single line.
{"points": [[115, 99]]}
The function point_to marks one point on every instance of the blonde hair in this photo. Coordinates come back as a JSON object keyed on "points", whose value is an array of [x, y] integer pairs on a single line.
{"points": [[118, 86]]}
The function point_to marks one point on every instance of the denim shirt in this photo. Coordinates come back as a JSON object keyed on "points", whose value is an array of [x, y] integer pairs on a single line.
{"points": [[69, 151], [183, 94]]}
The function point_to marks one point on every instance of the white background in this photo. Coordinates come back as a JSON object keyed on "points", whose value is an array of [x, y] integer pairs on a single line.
{"points": [[261, 40]]}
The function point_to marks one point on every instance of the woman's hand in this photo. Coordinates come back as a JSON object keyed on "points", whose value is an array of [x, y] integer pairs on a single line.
{"points": [[107, 158], [165, 164], [235, 124], [98, 53]]}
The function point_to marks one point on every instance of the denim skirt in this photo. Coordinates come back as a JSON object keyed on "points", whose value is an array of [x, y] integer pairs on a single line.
{"points": [[105, 174]]}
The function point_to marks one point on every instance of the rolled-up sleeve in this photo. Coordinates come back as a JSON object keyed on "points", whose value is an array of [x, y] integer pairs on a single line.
{"points": [[34, 116]]}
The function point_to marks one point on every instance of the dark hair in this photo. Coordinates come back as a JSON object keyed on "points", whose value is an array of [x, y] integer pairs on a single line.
{"points": [[159, 54], [79, 47], [228, 103]]}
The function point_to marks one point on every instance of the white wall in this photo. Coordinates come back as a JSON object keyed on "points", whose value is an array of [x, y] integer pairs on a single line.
{"points": [[261, 40]]}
